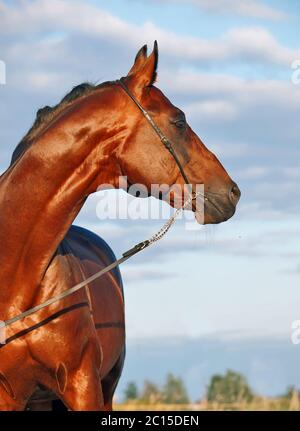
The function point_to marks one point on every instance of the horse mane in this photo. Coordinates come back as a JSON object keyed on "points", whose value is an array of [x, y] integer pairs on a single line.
{"points": [[47, 113]]}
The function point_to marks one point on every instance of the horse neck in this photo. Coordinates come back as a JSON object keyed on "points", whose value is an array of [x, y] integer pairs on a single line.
{"points": [[41, 194]]}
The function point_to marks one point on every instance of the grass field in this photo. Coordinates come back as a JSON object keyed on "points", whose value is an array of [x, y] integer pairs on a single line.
{"points": [[258, 404]]}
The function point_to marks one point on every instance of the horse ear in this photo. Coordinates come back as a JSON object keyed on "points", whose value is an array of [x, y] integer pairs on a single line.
{"points": [[139, 60], [144, 71]]}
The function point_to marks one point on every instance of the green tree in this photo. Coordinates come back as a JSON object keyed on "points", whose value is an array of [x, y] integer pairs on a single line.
{"points": [[131, 392], [229, 388], [151, 394], [174, 391], [290, 392]]}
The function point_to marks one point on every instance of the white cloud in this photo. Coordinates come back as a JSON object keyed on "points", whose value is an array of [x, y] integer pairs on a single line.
{"points": [[292, 172], [254, 172], [41, 80], [215, 85], [286, 175], [249, 8], [77, 16], [258, 43], [212, 110], [231, 150], [134, 274]]}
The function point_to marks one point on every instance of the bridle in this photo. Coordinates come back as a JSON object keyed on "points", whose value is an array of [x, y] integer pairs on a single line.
{"points": [[138, 247], [164, 140]]}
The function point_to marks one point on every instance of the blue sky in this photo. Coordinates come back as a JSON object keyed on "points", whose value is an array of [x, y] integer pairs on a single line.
{"points": [[229, 69]]}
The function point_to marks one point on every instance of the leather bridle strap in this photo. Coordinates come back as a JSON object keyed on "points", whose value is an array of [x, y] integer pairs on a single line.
{"points": [[165, 141], [131, 252]]}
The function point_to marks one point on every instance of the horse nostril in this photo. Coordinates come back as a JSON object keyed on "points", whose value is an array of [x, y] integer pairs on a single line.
{"points": [[234, 194]]}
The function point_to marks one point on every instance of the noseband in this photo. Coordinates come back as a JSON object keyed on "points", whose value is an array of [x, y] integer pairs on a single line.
{"points": [[164, 140]]}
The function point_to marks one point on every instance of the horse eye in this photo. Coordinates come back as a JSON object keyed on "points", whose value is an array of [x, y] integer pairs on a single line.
{"points": [[180, 124]]}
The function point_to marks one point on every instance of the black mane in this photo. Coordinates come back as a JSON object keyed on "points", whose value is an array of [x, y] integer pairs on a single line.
{"points": [[45, 114]]}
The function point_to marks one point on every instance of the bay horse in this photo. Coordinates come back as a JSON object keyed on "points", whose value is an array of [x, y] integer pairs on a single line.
{"points": [[75, 348]]}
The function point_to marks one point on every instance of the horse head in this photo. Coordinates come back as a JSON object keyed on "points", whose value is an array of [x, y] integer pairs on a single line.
{"points": [[144, 159]]}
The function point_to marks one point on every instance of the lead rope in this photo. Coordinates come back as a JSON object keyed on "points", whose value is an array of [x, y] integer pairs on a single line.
{"points": [[162, 232], [125, 256]]}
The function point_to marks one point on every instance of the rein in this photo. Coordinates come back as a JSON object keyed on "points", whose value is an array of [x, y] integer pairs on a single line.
{"points": [[132, 251]]}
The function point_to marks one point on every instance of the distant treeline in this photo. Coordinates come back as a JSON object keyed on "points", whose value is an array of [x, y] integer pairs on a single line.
{"points": [[229, 388]]}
